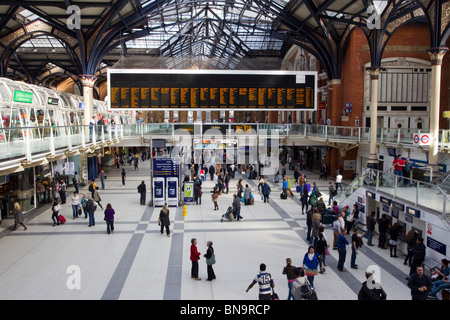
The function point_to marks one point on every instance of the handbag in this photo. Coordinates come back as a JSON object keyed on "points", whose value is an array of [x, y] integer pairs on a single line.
{"points": [[57, 207], [327, 251], [211, 260], [274, 295]]}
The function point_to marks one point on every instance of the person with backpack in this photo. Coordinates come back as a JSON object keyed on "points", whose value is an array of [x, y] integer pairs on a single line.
{"points": [[301, 288], [92, 187], [371, 293]]}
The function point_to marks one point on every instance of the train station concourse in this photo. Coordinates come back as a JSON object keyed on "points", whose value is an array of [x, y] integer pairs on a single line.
{"points": [[224, 151]]}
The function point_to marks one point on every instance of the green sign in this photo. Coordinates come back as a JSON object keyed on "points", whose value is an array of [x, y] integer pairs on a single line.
{"points": [[23, 96]]}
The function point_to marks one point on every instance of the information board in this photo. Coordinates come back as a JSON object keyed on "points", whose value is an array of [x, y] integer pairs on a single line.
{"points": [[210, 89], [166, 167]]}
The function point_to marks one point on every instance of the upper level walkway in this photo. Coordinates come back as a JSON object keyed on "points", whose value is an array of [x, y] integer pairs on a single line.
{"points": [[25, 146]]}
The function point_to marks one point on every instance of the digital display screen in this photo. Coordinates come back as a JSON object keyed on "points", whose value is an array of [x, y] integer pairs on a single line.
{"points": [[205, 89]]}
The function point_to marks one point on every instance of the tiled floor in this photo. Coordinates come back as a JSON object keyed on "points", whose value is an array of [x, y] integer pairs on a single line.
{"points": [[137, 262]]}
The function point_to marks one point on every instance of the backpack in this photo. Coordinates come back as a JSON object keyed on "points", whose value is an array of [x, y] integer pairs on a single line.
{"points": [[91, 187]]}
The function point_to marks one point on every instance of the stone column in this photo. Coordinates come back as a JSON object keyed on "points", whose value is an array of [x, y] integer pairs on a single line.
{"points": [[374, 75], [436, 56], [88, 82]]}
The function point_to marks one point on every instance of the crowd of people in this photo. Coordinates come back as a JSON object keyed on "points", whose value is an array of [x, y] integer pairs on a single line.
{"points": [[300, 279]]}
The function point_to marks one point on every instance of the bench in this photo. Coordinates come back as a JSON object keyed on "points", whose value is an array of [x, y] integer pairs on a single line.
{"points": [[429, 264]]}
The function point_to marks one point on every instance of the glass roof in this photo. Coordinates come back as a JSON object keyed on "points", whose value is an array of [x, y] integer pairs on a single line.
{"points": [[218, 33]]}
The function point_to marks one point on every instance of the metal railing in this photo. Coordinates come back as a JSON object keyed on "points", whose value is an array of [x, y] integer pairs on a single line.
{"points": [[25, 141], [416, 192]]}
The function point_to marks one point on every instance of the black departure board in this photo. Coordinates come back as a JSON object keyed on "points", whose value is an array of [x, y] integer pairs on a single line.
{"points": [[169, 89]]}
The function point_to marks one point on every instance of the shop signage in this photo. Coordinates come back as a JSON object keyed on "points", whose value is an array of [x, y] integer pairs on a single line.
{"points": [[23, 96]]}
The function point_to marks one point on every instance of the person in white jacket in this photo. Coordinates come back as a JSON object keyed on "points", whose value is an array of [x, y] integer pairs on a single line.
{"points": [[75, 202]]}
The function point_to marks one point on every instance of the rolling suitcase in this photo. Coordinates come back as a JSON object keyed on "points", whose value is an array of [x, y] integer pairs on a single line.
{"points": [[327, 219], [61, 219]]}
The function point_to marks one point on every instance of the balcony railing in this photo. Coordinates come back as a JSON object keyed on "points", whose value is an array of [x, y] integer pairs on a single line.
{"points": [[19, 142]]}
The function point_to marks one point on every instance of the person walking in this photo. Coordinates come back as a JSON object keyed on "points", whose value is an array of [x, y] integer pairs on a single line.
{"points": [[288, 270], [336, 230], [410, 240], [265, 190], [265, 282], [102, 176], [321, 249], [420, 284], [342, 249], [18, 216], [83, 202], [237, 207], [62, 191], [305, 200], [418, 255], [198, 192], [210, 261], [55, 212], [124, 176], [76, 182], [97, 198], [75, 203], [90, 208], [315, 228], [311, 265], [393, 240], [370, 228], [195, 256], [215, 197], [164, 220], [355, 246], [332, 192], [109, 218], [299, 283], [92, 187], [285, 187], [247, 193], [142, 189], [338, 181]]}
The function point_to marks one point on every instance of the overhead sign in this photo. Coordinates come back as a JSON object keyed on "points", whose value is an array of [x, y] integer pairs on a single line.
{"points": [[23, 96], [421, 139], [166, 167], [212, 89]]}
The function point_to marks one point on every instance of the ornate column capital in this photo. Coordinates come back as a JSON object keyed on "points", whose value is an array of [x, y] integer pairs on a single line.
{"points": [[374, 72], [87, 80], [436, 55]]}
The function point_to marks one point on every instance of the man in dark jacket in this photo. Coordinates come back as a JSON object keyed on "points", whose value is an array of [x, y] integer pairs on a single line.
{"points": [[265, 189], [418, 255], [90, 208], [420, 285], [142, 189], [371, 292]]}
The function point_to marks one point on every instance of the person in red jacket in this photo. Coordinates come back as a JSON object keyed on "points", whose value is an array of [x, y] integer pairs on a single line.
{"points": [[195, 255]]}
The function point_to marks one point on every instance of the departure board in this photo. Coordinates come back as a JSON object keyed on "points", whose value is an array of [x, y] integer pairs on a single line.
{"points": [[206, 89]]}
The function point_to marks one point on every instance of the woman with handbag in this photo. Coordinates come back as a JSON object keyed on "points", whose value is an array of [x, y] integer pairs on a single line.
{"points": [[393, 241], [55, 210], [311, 264], [210, 260]]}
